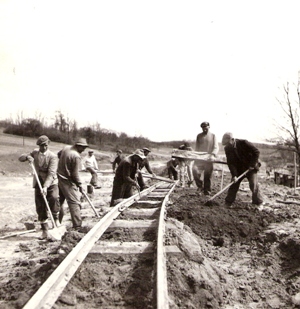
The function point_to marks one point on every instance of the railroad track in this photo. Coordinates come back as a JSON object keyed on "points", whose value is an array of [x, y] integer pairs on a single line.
{"points": [[144, 211]]}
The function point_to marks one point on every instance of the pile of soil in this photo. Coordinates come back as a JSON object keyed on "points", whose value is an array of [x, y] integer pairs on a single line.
{"points": [[242, 256]]}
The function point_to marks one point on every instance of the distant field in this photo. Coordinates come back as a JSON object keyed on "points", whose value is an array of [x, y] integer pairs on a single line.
{"points": [[12, 146]]}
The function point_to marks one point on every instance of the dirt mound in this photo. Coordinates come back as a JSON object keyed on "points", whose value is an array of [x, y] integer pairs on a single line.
{"points": [[250, 255]]}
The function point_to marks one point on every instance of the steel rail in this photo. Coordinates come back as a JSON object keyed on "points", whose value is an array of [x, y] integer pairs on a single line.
{"points": [[46, 296], [161, 271]]}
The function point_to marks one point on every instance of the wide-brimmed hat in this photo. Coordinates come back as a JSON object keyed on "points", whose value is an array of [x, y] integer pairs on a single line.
{"points": [[146, 149], [81, 142], [140, 153], [43, 140], [119, 150]]}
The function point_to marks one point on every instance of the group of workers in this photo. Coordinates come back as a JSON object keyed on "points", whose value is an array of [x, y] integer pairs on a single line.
{"points": [[59, 179], [58, 176], [242, 156]]}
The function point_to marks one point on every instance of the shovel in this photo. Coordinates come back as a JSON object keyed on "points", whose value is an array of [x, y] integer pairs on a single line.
{"points": [[90, 202], [158, 178], [56, 232], [138, 188], [208, 202]]}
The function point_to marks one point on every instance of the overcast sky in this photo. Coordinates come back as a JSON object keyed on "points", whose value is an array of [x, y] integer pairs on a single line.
{"points": [[151, 68]]}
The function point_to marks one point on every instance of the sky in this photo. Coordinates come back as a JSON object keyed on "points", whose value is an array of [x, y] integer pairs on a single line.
{"points": [[155, 69]]}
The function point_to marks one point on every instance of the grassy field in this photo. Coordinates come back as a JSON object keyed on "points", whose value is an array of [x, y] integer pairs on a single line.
{"points": [[12, 146]]}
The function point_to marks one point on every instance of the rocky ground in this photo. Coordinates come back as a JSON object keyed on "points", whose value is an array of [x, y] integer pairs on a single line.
{"points": [[240, 257]]}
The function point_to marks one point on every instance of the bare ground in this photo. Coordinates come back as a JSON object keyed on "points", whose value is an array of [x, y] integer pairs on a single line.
{"points": [[240, 257]]}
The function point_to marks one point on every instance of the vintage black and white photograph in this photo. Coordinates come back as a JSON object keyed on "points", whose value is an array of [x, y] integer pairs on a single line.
{"points": [[149, 154]]}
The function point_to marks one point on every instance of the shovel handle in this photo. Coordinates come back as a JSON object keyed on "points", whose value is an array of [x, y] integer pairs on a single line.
{"points": [[157, 177], [45, 199], [90, 202], [225, 188]]}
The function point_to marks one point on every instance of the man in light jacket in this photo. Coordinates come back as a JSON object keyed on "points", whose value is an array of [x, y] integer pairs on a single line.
{"points": [[45, 164], [205, 142], [69, 181]]}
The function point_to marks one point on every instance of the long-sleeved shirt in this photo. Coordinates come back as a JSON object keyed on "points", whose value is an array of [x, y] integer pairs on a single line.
{"points": [[146, 164], [45, 165], [69, 164], [117, 161], [171, 164], [90, 161], [240, 156], [126, 171], [207, 143]]}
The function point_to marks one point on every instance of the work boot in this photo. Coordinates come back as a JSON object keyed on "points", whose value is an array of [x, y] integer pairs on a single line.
{"points": [[45, 233], [56, 219]]}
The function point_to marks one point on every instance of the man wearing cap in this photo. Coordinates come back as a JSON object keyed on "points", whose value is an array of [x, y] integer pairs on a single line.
{"points": [[45, 164], [242, 155], [91, 165], [117, 160], [185, 166], [145, 164], [205, 142], [69, 181], [125, 177]]}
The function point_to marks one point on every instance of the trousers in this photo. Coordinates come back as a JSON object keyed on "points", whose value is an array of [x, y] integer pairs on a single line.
{"points": [[72, 195], [254, 187], [53, 201], [94, 179], [208, 168]]}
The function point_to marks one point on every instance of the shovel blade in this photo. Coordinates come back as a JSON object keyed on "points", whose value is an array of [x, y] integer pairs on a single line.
{"points": [[57, 232]]}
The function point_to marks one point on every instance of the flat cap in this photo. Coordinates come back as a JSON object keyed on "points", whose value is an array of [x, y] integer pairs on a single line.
{"points": [[204, 124], [81, 142], [119, 151], [91, 151], [43, 139], [146, 149], [140, 153]]}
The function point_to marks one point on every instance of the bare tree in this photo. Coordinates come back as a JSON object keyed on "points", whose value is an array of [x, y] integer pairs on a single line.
{"points": [[61, 122], [289, 126]]}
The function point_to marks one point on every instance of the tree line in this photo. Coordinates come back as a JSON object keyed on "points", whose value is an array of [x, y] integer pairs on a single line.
{"points": [[65, 130]]}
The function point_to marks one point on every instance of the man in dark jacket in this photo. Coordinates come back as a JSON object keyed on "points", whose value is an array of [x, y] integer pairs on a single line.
{"points": [[147, 166], [171, 166], [125, 177], [242, 155], [117, 160]]}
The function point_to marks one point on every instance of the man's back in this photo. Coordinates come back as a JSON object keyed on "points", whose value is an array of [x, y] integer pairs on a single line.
{"points": [[69, 163]]}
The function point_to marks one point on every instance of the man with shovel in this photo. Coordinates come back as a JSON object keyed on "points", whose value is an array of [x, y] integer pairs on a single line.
{"points": [[44, 163], [125, 177], [69, 182], [147, 166], [242, 156]]}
